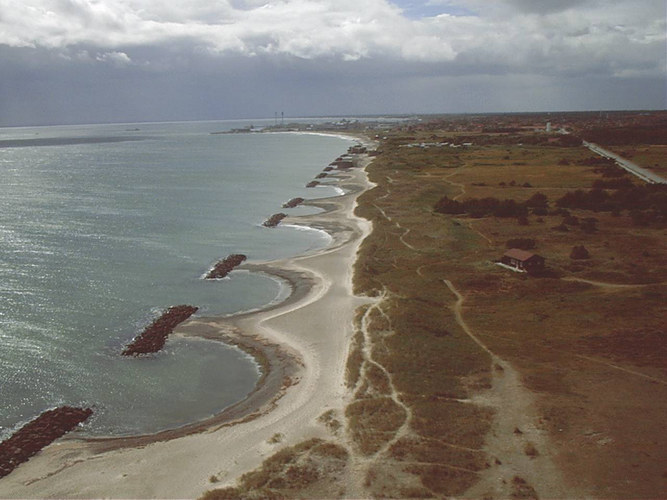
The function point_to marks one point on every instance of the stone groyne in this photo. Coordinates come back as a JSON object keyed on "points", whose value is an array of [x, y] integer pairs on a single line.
{"points": [[274, 220], [294, 202], [37, 434], [222, 268], [153, 338]]}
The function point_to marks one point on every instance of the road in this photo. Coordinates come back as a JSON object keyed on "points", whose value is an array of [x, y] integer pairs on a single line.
{"points": [[633, 168]]}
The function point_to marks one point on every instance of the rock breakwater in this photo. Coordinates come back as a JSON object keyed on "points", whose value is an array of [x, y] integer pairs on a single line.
{"points": [[274, 220], [222, 268], [153, 338], [294, 202], [37, 434]]}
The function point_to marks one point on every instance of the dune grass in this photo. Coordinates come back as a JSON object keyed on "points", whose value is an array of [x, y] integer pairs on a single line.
{"points": [[413, 370]]}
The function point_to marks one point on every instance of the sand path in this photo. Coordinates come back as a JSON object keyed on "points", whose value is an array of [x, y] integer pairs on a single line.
{"points": [[317, 328], [519, 447], [360, 464]]}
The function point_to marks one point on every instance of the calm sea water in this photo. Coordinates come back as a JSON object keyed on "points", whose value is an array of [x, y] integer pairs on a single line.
{"points": [[103, 227]]}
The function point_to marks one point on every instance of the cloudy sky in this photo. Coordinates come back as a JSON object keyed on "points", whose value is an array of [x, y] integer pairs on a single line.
{"points": [[89, 61]]}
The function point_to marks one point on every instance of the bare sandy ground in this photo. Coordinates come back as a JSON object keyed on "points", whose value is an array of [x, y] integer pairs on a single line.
{"points": [[305, 340]]}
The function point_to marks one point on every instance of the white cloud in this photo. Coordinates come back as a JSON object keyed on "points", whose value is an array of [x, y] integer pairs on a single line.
{"points": [[620, 37], [116, 58]]}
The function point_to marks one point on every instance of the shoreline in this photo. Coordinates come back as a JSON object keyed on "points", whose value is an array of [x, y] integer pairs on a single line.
{"points": [[285, 357]]}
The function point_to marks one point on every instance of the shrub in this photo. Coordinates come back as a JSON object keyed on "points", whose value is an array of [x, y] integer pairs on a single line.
{"points": [[568, 141], [589, 225], [481, 207], [522, 243], [612, 171], [510, 208], [530, 450], [616, 183], [594, 200], [579, 252], [641, 218], [446, 205], [538, 200], [627, 197], [560, 211]]}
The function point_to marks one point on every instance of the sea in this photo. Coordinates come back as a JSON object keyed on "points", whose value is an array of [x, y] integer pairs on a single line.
{"points": [[102, 227]]}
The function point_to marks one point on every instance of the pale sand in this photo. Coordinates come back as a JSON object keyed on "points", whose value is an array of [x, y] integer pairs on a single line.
{"points": [[309, 336]]}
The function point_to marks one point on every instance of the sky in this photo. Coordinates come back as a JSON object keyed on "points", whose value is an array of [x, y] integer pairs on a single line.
{"points": [[101, 61]]}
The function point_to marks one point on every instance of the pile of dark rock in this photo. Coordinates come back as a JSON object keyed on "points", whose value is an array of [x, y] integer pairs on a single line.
{"points": [[153, 338], [274, 220], [294, 202], [37, 434], [222, 268]]}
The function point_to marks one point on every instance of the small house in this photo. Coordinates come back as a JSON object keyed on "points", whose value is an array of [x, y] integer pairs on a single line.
{"points": [[522, 260]]}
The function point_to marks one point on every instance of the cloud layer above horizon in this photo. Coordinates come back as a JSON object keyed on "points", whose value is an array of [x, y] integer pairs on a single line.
{"points": [[317, 56]]}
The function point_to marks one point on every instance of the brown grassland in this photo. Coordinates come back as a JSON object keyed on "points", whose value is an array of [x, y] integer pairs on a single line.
{"points": [[651, 156], [587, 340]]}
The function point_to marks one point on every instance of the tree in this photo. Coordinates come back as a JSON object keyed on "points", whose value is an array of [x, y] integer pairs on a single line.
{"points": [[446, 205]]}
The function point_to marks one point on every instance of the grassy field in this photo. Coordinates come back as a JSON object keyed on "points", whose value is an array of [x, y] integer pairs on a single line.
{"points": [[651, 156], [587, 337]]}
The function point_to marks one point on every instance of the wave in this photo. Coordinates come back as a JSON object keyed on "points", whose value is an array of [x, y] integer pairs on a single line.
{"points": [[298, 227]]}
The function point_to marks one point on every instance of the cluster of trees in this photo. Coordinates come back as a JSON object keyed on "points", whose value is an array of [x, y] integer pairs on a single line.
{"points": [[481, 207], [513, 183], [484, 207], [509, 136], [646, 203], [594, 161], [560, 141], [587, 225], [616, 183], [649, 134]]}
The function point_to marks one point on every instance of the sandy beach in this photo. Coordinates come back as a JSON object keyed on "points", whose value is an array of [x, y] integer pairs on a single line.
{"points": [[301, 345]]}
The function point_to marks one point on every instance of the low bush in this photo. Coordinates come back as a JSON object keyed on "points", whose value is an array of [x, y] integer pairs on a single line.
{"points": [[579, 252], [522, 243]]}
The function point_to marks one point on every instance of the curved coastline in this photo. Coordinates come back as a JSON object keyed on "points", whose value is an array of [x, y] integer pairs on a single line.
{"points": [[278, 366], [282, 363]]}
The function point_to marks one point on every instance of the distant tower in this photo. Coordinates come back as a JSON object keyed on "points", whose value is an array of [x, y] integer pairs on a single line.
{"points": [[548, 127]]}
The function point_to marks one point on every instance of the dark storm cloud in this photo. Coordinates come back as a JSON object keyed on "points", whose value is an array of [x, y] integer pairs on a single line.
{"points": [[106, 60]]}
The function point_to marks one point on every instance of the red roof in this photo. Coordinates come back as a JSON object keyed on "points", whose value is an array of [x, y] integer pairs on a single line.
{"points": [[518, 254]]}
